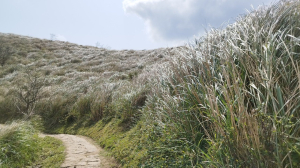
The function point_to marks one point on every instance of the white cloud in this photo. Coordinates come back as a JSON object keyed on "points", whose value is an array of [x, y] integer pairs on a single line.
{"points": [[169, 20]]}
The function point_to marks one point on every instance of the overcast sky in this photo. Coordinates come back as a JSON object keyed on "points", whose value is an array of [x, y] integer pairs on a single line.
{"points": [[120, 24]]}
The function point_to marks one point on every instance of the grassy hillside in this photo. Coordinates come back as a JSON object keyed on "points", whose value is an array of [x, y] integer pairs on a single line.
{"points": [[230, 99], [67, 71]]}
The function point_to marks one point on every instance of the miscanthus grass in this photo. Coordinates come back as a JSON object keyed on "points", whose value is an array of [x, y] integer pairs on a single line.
{"points": [[231, 98]]}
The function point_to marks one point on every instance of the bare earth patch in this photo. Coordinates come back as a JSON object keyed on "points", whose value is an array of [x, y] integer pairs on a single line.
{"points": [[82, 152]]}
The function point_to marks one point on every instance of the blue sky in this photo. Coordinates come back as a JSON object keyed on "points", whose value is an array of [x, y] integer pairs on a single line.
{"points": [[120, 24]]}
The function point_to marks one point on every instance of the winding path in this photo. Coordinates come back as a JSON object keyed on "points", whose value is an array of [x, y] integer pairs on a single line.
{"points": [[81, 152]]}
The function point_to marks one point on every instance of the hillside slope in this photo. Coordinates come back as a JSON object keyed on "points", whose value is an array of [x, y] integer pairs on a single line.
{"points": [[230, 99], [68, 68]]}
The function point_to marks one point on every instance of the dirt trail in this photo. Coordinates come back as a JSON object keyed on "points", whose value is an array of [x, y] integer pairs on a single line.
{"points": [[81, 152]]}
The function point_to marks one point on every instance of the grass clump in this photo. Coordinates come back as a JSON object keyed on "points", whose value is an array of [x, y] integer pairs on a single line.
{"points": [[20, 147]]}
